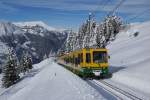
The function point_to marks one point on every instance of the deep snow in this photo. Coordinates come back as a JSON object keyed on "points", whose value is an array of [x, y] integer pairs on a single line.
{"points": [[51, 82], [130, 58]]}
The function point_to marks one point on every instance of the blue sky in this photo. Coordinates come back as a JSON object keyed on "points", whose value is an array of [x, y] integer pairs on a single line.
{"points": [[71, 13]]}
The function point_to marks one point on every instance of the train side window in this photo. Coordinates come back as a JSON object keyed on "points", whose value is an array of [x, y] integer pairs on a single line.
{"points": [[76, 61], [78, 58], [81, 57], [69, 59], [73, 59], [88, 58]]}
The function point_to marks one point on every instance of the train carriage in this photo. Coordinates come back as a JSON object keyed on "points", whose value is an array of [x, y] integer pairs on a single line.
{"points": [[87, 62]]}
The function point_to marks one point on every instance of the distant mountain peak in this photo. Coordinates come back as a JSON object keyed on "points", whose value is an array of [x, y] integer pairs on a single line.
{"points": [[35, 37], [7, 28], [35, 23]]}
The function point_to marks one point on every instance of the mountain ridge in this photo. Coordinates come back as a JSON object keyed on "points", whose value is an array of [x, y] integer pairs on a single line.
{"points": [[35, 39]]}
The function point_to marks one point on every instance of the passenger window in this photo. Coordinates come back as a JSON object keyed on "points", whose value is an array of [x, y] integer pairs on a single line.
{"points": [[80, 58], [88, 58]]}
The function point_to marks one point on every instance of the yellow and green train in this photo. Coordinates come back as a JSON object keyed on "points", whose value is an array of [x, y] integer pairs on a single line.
{"points": [[87, 62]]}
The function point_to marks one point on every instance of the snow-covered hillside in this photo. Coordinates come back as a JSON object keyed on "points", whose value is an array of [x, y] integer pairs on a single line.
{"points": [[50, 81], [130, 57]]}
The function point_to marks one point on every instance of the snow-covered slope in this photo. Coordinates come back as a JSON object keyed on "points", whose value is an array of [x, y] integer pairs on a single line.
{"points": [[130, 57], [51, 82]]}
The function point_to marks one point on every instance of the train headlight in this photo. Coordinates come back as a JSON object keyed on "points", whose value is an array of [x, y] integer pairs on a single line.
{"points": [[97, 72]]}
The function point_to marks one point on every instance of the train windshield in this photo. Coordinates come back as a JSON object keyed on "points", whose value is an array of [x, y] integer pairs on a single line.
{"points": [[99, 57]]}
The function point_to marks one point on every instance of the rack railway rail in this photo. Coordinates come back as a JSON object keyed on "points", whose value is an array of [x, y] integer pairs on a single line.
{"points": [[120, 94]]}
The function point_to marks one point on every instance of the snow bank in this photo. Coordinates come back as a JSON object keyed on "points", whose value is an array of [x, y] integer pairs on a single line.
{"points": [[52, 82], [130, 55]]}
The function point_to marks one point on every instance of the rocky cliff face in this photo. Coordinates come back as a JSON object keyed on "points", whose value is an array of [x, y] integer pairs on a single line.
{"points": [[36, 38]]}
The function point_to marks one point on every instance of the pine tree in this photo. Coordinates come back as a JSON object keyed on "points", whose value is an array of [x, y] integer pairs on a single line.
{"points": [[50, 54], [90, 32], [29, 62], [108, 30], [23, 64], [87, 34], [80, 36], [45, 57], [70, 42], [10, 72], [26, 63]]}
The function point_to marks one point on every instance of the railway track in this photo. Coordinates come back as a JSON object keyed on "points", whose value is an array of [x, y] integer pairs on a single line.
{"points": [[118, 93]]}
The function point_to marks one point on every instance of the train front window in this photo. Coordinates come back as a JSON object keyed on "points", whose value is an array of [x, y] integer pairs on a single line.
{"points": [[99, 57]]}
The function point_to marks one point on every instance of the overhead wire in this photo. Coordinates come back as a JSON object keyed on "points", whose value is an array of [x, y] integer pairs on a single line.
{"points": [[103, 4], [115, 8]]}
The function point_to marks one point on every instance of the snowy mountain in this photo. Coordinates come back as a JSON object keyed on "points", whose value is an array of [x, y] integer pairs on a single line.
{"points": [[7, 28], [34, 23], [130, 58], [35, 37]]}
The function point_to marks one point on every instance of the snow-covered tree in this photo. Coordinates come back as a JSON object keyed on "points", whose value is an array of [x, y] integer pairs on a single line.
{"points": [[100, 36], [45, 57], [10, 70], [80, 36], [70, 41], [86, 34], [25, 63], [51, 54], [108, 30], [91, 34], [29, 62]]}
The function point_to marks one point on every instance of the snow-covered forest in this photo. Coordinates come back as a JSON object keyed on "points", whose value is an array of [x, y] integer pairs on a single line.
{"points": [[13, 68], [92, 34]]}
